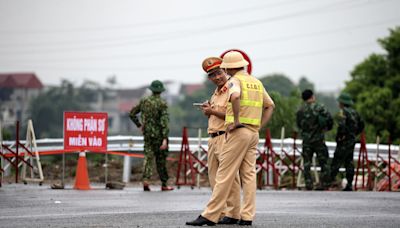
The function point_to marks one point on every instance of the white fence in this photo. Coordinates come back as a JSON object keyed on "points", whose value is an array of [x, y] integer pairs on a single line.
{"points": [[136, 144]]}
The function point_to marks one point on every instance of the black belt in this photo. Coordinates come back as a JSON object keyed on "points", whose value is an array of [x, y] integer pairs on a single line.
{"points": [[218, 133]]}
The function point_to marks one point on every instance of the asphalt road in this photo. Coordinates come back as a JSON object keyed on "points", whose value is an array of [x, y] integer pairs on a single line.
{"points": [[39, 206]]}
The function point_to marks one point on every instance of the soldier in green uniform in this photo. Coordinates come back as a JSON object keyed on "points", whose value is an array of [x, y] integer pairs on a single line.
{"points": [[154, 126], [350, 125], [313, 120]]}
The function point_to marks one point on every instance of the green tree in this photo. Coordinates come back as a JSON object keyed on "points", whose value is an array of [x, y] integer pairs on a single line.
{"points": [[184, 114], [279, 83], [375, 87], [283, 91], [287, 98], [46, 110], [283, 116], [89, 91], [329, 101], [305, 84]]}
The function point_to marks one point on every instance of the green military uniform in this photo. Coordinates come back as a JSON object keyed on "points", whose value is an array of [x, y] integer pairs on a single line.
{"points": [[154, 116], [312, 120], [349, 126]]}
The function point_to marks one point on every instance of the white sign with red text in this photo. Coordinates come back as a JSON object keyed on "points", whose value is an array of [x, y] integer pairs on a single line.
{"points": [[85, 131]]}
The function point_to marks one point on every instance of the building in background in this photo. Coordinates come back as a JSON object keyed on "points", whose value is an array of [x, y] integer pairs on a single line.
{"points": [[16, 92], [118, 103]]}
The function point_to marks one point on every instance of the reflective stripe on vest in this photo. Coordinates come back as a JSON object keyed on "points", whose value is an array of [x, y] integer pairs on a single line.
{"points": [[256, 122], [251, 101]]}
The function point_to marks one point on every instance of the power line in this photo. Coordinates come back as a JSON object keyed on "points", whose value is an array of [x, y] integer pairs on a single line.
{"points": [[180, 67], [253, 42], [187, 33], [317, 52], [150, 23], [7, 45]]}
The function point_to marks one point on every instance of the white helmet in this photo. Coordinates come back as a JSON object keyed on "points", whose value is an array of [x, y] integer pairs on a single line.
{"points": [[233, 59]]}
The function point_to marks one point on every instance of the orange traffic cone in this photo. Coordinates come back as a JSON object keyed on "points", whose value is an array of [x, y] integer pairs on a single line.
{"points": [[82, 177]]}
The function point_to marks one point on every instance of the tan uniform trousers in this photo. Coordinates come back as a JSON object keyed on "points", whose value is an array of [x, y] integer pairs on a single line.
{"points": [[238, 154], [232, 209]]}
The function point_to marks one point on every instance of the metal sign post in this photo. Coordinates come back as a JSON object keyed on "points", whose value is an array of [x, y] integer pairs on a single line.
{"points": [[63, 170], [106, 169], [199, 155]]}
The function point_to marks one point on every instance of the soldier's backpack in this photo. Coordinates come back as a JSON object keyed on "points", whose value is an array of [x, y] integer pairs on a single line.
{"points": [[354, 122]]}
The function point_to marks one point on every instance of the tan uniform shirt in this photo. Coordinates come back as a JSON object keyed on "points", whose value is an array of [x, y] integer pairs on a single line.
{"points": [[218, 102], [234, 85]]}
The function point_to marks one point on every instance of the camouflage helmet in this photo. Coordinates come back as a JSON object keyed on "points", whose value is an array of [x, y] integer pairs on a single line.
{"points": [[157, 87], [345, 98]]}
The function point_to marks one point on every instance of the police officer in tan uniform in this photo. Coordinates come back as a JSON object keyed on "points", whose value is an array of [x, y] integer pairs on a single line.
{"points": [[215, 111], [249, 108]]}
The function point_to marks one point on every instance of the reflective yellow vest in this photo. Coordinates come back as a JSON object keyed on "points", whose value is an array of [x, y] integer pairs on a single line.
{"points": [[251, 101]]}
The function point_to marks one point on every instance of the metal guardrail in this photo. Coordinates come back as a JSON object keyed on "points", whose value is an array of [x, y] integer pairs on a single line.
{"points": [[136, 144]]}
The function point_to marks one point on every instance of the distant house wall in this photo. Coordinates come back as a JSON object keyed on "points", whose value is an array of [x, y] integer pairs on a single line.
{"points": [[120, 102], [18, 89]]}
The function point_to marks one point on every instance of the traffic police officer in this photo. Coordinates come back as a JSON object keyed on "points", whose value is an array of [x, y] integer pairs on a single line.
{"points": [[249, 107], [215, 111]]}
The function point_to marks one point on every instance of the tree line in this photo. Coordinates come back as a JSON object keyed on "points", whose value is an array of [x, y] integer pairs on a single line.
{"points": [[374, 86]]}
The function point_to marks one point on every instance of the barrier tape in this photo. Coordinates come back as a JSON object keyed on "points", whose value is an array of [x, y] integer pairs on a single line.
{"points": [[58, 152]]}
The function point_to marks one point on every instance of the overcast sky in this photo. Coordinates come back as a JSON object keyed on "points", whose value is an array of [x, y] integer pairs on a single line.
{"points": [[140, 41]]}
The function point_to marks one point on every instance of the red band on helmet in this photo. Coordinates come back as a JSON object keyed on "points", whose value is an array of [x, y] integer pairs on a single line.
{"points": [[217, 63]]}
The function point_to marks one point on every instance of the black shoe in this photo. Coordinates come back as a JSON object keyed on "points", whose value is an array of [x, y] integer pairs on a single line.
{"points": [[146, 186], [200, 221], [227, 220], [348, 189], [244, 223]]}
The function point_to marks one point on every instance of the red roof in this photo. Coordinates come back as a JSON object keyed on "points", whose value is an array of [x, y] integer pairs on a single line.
{"points": [[126, 106], [20, 80], [189, 89]]}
